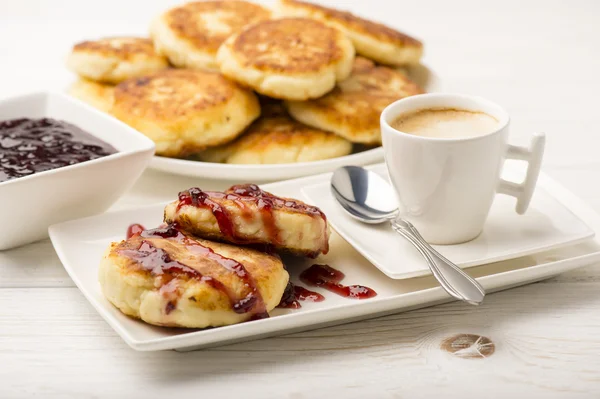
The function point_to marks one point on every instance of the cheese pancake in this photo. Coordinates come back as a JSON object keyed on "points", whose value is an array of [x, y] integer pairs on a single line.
{"points": [[168, 278], [184, 111], [371, 39], [353, 108], [245, 214], [115, 59], [190, 35], [98, 95], [275, 139], [291, 58]]}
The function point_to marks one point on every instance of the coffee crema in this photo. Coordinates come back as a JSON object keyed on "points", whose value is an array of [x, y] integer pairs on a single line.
{"points": [[446, 123]]}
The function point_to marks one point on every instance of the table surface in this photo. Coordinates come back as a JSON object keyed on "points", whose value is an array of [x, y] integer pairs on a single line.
{"points": [[538, 58]]}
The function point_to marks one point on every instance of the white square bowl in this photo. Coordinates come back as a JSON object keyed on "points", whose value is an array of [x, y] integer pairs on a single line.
{"points": [[29, 204]]}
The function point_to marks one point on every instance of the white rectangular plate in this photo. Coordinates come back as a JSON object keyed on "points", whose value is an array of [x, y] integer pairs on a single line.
{"points": [[81, 243], [548, 224]]}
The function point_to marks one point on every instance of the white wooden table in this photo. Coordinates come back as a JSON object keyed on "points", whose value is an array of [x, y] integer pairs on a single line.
{"points": [[539, 59]]}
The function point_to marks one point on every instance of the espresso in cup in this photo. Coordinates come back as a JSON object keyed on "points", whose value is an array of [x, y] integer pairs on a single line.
{"points": [[446, 123]]}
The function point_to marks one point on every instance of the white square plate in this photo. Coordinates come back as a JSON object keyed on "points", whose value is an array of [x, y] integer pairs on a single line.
{"points": [[548, 224], [81, 243]]}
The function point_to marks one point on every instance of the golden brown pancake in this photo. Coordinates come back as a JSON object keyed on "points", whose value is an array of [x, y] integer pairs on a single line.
{"points": [[292, 58], [98, 95], [125, 48], [191, 34], [115, 59], [371, 39], [353, 108], [169, 278], [245, 214], [276, 138], [184, 111]]}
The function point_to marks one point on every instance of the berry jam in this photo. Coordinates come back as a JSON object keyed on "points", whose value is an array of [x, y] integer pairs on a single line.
{"points": [[134, 230], [329, 278], [29, 146], [288, 299], [269, 201], [242, 195], [159, 263], [303, 294], [295, 293], [198, 198]]}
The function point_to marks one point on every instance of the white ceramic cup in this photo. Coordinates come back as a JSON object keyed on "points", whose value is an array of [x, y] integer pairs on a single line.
{"points": [[446, 186]]}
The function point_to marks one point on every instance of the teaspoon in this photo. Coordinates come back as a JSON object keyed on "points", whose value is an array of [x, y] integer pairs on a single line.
{"points": [[367, 197]]}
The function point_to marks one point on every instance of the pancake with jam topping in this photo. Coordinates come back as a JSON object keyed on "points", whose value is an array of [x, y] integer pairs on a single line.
{"points": [[353, 108], [184, 111], [115, 59], [290, 58], [245, 214], [371, 39], [168, 278], [190, 34]]}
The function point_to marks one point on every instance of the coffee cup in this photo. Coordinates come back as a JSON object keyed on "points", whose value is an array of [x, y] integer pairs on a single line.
{"points": [[445, 154]]}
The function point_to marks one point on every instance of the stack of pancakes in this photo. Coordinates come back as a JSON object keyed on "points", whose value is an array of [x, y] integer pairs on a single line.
{"points": [[202, 268], [235, 82]]}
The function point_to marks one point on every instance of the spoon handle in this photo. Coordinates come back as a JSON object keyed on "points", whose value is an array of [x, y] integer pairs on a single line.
{"points": [[456, 282]]}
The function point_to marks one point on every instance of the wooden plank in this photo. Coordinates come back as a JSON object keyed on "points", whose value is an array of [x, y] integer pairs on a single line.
{"points": [[538, 59], [34, 265], [548, 347]]}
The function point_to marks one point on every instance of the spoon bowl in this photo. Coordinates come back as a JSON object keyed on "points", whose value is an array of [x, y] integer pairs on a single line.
{"points": [[364, 194], [369, 198]]}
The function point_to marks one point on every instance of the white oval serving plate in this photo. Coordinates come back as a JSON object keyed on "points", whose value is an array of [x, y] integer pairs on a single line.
{"points": [[211, 170], [421, 74]]}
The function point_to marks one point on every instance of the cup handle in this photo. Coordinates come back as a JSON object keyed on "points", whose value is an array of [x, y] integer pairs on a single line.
{"points": [[533, 156]]}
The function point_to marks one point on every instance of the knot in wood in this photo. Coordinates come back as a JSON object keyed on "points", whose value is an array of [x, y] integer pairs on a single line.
{"points": [[469, 346]]}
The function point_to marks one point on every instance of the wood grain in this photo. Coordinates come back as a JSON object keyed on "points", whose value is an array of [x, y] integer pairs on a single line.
{"points": [[35, 265], [538, 58], [398, 353]]}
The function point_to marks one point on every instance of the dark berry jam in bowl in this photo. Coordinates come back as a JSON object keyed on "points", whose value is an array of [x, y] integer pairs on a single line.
{"points": [[59, 160], [29, 146]]}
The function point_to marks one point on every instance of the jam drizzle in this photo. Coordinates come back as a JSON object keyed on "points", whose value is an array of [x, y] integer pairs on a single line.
{"points": [[241, 195], [198, 198], [134, 229], [329, 278], [304, 294], [288, 299], [294, 293], [160, 263]]}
